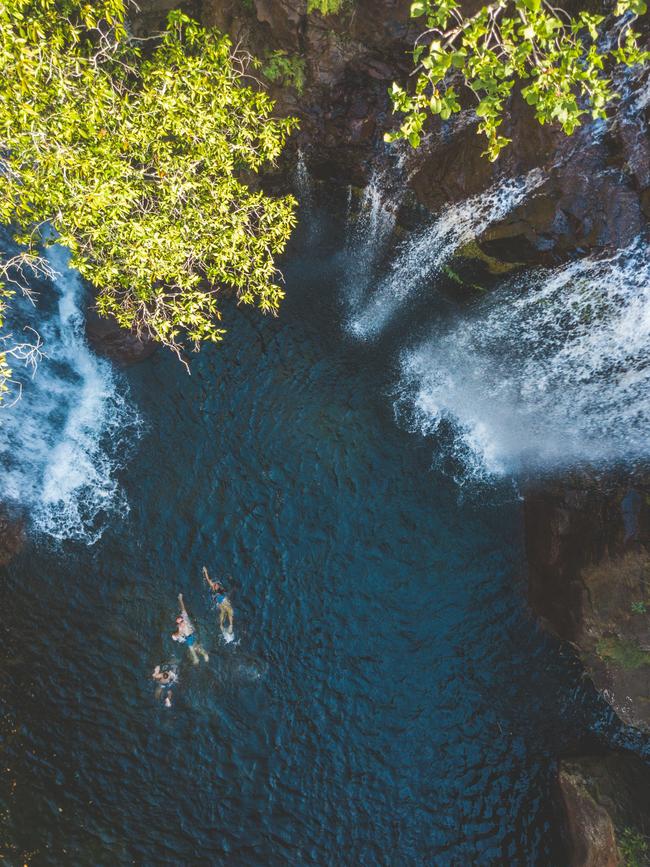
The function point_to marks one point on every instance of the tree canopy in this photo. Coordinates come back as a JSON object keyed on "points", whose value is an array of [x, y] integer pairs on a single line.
{"points": [[141, 165], [560, 60]]}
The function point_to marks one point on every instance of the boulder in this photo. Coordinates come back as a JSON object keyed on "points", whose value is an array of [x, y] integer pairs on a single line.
{"points": [[590, 829], [606, 801], [589, 580], [110, 339]]}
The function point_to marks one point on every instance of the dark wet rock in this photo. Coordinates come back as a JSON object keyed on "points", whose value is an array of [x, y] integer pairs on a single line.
{"points": [[592, 198], [150, 15], [12, 535], [607, 809], [109, 339], [588, 548], [590, 830], [595, 196]]}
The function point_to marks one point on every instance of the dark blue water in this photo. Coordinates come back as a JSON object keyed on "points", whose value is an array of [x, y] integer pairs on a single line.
{"points": [[389, 700]]}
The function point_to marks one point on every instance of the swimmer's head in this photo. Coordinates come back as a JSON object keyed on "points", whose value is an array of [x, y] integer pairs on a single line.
{"points": [[179, 619]]}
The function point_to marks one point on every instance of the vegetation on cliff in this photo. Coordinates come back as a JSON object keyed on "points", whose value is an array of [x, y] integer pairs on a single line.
{"points": [[140, 165], [559, 60]]}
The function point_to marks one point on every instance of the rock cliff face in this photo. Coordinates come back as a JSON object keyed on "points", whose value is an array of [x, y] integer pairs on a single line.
{"points": [[589, 579], [606, 799], [12, 535], [597, 192]]}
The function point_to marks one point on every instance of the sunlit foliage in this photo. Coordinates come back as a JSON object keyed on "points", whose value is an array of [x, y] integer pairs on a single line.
{"points": [[561, 61], [285, 69], [325, 7], [140, 165]]}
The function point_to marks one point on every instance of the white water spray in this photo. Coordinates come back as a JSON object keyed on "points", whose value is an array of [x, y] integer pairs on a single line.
{"points": [[427, 251], [550, 372], [303, 182], [62, 442], [371, 229]]}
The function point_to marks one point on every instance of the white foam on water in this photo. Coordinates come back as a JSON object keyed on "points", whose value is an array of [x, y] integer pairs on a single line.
{"points": [[551, 371], [64, 440], [427, 250]]}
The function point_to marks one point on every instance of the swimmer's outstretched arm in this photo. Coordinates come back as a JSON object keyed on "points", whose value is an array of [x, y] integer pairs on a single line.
{"points": [[181, 603], [213, 584]]}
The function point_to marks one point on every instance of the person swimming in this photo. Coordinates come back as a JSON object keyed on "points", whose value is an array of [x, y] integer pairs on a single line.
{"points": [[185, 634], [165, 676], [222, 602]]}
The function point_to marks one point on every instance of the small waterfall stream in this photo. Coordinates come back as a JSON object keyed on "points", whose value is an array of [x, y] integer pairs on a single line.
{"points": [[418, 259], [63, 441], [371, 229]]}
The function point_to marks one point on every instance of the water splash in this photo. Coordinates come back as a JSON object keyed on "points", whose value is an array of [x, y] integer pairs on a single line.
{"points": [[550, 372], [62, 443], [425, 253]]}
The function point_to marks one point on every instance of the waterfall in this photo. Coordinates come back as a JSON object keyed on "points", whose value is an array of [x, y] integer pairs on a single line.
{"points": [[303, 182], [551, 371], [305, 195], [370, 230], [427, 250], [63, 441]]}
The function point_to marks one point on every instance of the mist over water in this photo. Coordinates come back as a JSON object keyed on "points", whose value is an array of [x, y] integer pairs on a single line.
{"points": [[64, 440]]}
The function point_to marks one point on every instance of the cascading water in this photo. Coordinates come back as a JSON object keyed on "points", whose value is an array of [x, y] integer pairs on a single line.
{"points": [[371, 230], [305, 193], [425, 253], [551, 371], [63, 441]]}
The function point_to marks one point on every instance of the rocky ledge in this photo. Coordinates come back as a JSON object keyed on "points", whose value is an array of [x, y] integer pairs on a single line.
{"points": [[607, 803], [589, 582]]}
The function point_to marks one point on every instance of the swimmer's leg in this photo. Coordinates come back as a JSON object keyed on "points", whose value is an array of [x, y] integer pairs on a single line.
{"points": [[226, 613], [158, 692], [200, 649], [192, 652]]}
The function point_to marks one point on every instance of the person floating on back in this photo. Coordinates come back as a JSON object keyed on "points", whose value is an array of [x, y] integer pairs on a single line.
{"points": [[185, 634], [222, 602], [165, 676]]}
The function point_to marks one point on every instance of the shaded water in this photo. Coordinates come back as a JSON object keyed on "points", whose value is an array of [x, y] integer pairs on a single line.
{"points": [[389, 699]]}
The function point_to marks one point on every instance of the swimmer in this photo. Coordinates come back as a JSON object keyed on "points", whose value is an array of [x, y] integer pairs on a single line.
{"points": [[222, 602], [185, 634], [164, 677]]}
